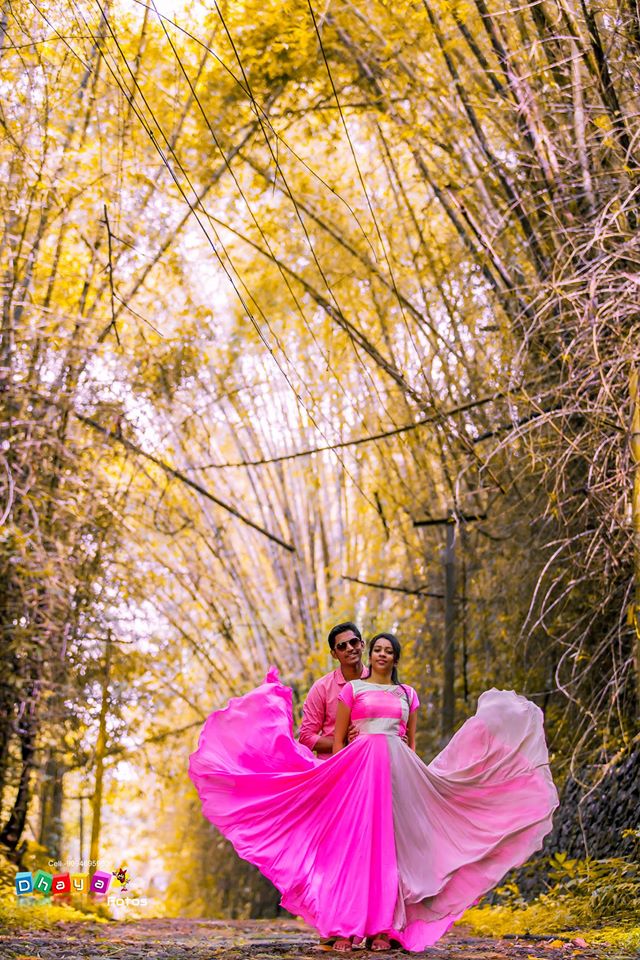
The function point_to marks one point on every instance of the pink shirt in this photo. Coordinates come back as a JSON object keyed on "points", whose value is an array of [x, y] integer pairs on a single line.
{"points": [[320, 707]]}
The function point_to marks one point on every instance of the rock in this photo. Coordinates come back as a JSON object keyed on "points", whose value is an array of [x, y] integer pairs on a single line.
{"points": [[592, 827]]}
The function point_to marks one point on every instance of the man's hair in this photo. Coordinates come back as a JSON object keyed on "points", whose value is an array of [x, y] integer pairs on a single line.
{"points": [[342, 628]]}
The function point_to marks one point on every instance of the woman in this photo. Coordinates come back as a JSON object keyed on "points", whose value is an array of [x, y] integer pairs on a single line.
{"points": [[371, 843], [365, 702]]}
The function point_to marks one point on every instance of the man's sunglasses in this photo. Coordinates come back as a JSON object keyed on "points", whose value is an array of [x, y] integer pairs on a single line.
{"points": [[353, 642]]}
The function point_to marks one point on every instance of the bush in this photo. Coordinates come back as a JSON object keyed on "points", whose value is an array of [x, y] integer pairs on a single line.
{"points": [[601, 897]]}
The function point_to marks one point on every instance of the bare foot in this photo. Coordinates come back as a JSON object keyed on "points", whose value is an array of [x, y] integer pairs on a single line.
{"points": [[343, 945], [380, 943]]}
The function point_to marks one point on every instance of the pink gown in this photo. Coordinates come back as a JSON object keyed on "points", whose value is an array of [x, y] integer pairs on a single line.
{"points": [[372, 840]]}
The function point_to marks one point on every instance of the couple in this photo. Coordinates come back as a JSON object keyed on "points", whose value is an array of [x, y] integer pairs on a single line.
{"points": [[365, 841], [320, 708]]}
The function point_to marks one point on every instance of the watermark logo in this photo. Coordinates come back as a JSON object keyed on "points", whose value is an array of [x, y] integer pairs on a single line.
{"points": [[62, 885], [122, 877]]}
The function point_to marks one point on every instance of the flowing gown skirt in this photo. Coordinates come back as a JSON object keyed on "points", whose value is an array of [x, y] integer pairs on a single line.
{"points": [[373, 840]]}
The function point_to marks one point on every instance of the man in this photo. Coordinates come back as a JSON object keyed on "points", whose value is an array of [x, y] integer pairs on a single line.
{"points": [[319, 711]]}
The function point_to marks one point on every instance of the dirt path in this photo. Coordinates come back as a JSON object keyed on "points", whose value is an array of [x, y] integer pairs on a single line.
{"points": [[254, 940]]}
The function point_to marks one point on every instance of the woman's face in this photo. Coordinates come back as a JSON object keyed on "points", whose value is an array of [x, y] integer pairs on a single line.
{"points": [[382, 655]]}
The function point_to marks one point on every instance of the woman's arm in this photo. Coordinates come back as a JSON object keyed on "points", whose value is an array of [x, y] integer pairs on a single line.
{"points": [[411, 730], [343, 716]]}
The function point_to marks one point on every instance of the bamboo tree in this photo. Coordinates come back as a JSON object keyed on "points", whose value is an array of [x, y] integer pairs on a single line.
{"points": [[96, 801], [635, 509]]}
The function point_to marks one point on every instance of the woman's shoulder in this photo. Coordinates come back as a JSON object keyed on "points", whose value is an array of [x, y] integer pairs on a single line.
{"points": [[412, 696]]}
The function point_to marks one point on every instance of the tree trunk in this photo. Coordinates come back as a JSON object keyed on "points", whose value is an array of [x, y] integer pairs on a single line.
{"points": [[7, 706], [101, 746], [51, 798], [635, 518], [449, 652], [27, 728]]}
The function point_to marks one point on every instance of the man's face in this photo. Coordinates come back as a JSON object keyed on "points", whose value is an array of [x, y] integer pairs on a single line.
{"points": [[348, 649]]}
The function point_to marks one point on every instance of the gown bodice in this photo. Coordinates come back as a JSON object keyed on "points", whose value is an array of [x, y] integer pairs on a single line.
{"points": [[379, 708]]}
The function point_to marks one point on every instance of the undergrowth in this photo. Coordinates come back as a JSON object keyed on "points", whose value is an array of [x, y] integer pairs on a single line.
{"points": [[598, 900]]}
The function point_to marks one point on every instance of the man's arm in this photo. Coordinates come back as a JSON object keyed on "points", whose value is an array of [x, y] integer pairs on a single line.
{"points": [[313, 718]]}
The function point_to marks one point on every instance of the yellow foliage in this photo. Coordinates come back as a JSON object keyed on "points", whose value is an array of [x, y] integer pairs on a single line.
{"points": [[38, 916], [542, 919]]}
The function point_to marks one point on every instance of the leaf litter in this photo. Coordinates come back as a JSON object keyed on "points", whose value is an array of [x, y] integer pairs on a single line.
{"points": [[196, 939]]}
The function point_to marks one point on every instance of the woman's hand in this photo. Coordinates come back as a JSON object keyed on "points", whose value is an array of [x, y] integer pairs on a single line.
{"points": [[343, 717]]}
